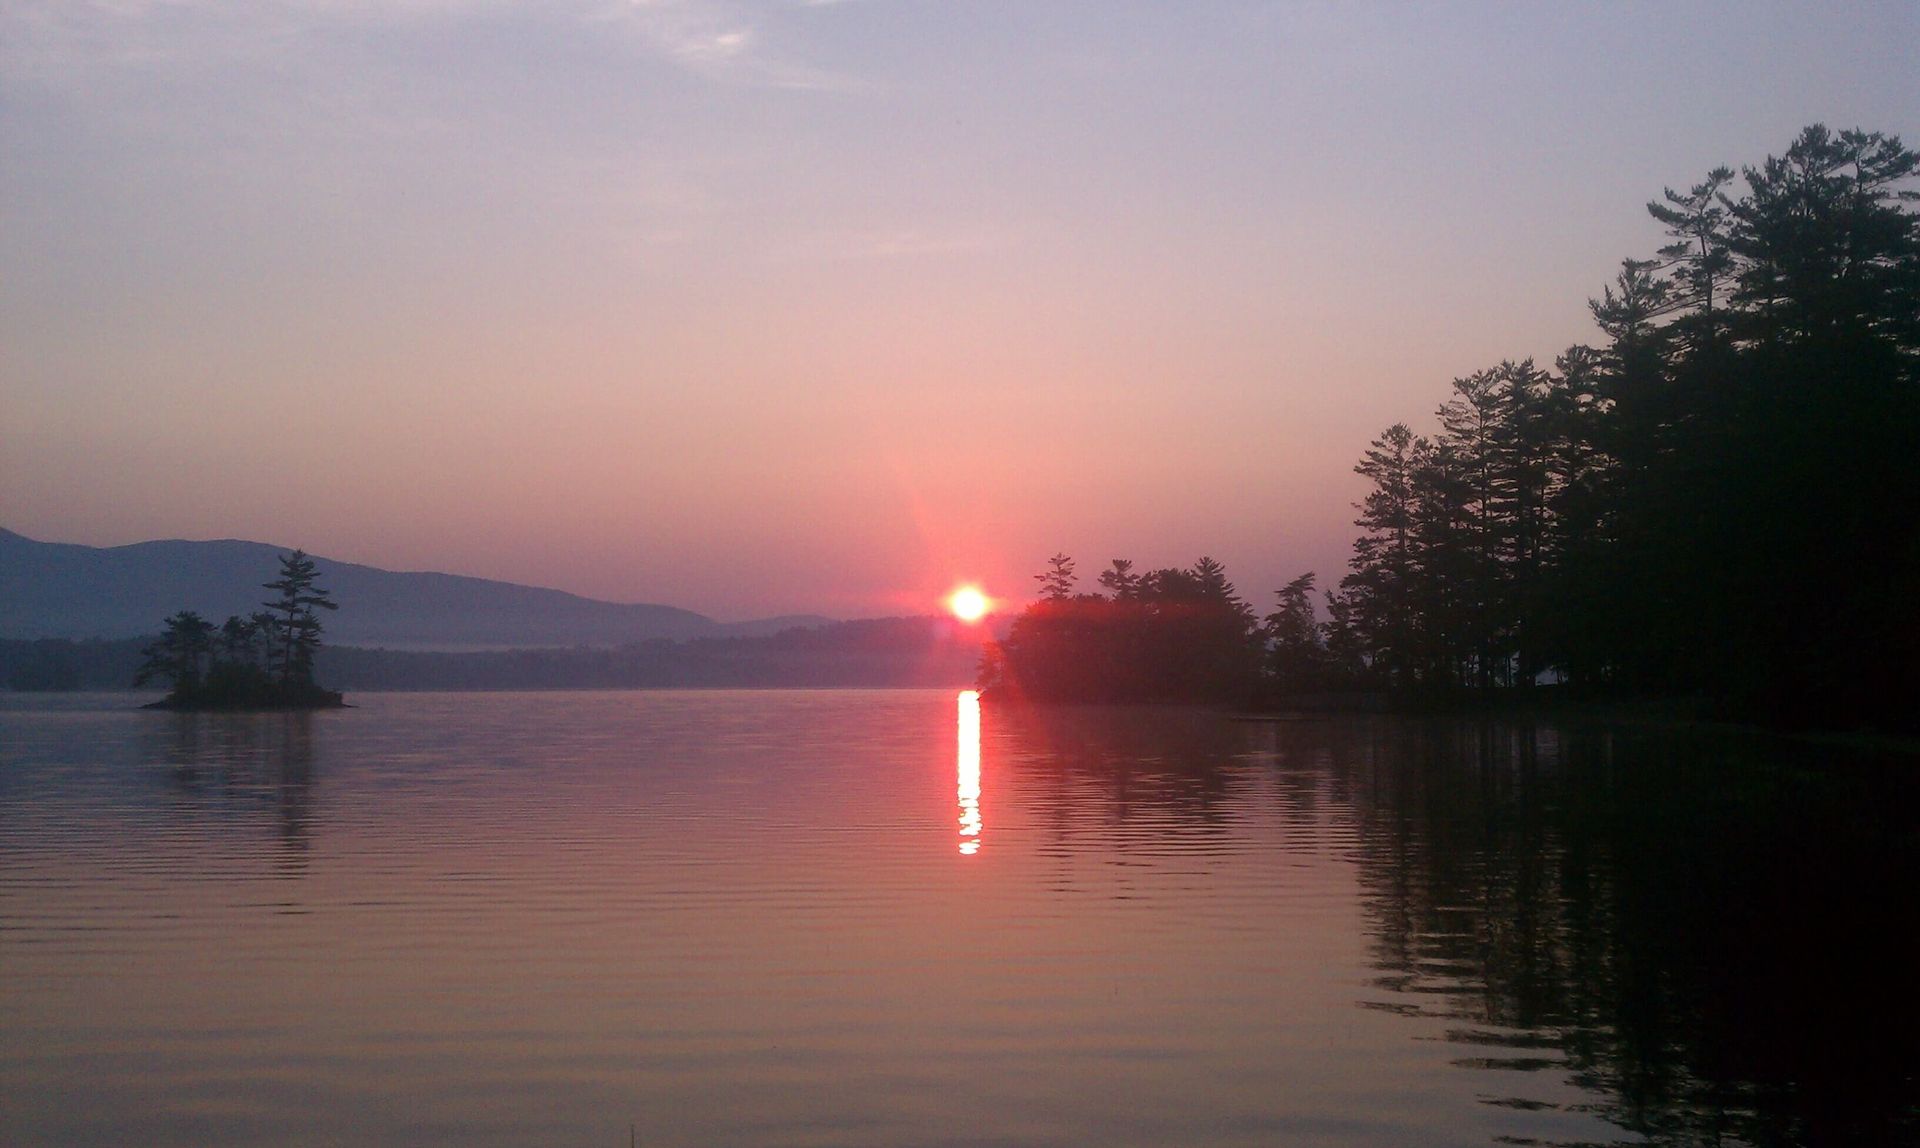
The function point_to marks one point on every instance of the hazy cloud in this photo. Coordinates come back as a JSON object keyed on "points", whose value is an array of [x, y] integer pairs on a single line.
{"points": [[65, 45], [723, 41]]}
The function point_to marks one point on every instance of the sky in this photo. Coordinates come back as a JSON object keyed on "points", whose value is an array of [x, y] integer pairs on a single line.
{"points": [[825, 305]]}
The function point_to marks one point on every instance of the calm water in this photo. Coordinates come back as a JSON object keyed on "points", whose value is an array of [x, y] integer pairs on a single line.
{"points": [[890, 918]]}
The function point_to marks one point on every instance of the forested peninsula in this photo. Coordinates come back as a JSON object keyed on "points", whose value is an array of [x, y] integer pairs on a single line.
{"points": [[1716, 502]]}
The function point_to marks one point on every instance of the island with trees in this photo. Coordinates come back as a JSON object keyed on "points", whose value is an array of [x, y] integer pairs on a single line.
{"points": [[261, 662], [1718, 503]]}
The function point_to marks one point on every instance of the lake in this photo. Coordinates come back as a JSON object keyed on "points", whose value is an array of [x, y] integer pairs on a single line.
{"points": [[907, 918]]}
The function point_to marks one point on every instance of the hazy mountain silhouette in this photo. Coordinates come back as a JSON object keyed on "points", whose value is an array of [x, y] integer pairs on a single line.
{"points": [[59, 590]]}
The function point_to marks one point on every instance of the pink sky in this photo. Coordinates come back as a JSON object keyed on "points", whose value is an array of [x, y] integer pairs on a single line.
{"points": [[761, 308]]}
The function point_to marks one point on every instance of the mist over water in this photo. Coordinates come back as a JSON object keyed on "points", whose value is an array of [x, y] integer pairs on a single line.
{"points": [[902, 918]]}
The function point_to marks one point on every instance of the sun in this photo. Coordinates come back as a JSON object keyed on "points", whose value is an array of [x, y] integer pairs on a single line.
{"points": [[968, 604]]}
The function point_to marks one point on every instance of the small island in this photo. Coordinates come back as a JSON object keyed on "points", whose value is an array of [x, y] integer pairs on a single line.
{"points": [[260, 662]]}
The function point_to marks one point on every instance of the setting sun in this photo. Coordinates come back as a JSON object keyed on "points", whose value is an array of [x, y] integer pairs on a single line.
{"points": [[968, 604]]}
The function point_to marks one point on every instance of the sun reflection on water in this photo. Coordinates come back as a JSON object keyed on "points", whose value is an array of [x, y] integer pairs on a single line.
{"points": [[969, 757]]}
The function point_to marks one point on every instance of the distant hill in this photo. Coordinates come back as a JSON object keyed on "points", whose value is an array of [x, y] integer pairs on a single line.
{"points": [[58, 590]]}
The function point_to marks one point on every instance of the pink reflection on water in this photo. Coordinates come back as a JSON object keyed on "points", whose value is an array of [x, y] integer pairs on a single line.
{"points": [[969, 758]]}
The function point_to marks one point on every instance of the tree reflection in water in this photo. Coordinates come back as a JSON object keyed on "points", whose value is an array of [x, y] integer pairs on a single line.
{"points": [[246, 765], [1709, 932]]}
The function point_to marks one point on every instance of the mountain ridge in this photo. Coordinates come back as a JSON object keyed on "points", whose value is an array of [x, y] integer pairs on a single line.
{"points": [[69, 590]]}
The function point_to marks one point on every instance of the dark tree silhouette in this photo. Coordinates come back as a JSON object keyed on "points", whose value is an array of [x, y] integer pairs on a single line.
{"points": [[296, 628], [1297, 658], [1057, 580], [264, 661], [1120, 581], [180, 655], [1379, 596], [1717, 501], [1167, 635]]}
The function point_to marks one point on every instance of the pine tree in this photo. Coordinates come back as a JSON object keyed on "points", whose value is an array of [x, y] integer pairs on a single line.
{"points": [[1378, 595], [296, 628], [1057, 581], [1296, 652], [1718, 500], [1120, 581], [180, 655], [1699, 254]]}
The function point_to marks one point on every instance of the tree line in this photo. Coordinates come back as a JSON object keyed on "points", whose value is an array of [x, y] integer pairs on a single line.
{"points": [[1172, 634], [1717, 500], [264, 660]]}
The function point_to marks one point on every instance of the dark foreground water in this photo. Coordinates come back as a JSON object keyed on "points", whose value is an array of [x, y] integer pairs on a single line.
{"points": [[887, 918]]}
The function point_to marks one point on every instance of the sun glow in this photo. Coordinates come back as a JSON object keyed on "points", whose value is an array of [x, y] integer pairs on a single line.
{"points": [[969, 604]]}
